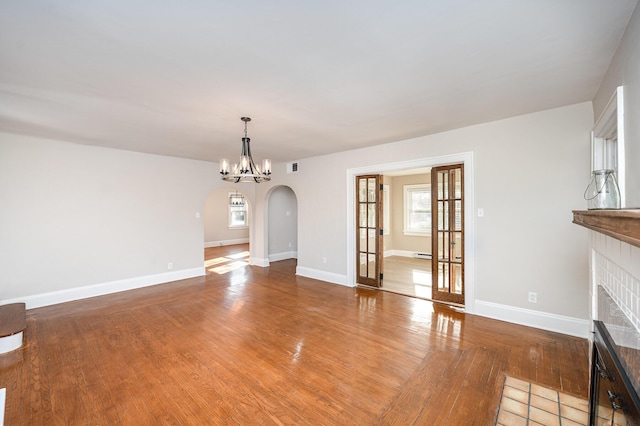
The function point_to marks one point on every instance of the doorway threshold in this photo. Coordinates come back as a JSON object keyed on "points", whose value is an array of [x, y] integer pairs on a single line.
{"points": [[457, 306]]}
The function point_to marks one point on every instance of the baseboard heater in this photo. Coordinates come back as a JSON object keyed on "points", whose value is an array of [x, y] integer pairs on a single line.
{"points": [[422, 255]]}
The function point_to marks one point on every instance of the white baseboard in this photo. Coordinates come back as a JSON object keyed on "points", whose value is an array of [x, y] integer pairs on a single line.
{"points": [[259, 261], [10, 343], [77, 293], [401, 253], [221, 243], [3, 394], [318, 274], [544, 320], [282, 256]]}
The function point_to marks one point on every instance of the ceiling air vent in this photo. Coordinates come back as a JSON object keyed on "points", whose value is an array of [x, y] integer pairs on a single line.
{"points": [[292, 167]]}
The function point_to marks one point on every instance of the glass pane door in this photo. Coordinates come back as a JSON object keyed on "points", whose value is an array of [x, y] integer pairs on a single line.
{"points": [[447, 193], [369, 231]]}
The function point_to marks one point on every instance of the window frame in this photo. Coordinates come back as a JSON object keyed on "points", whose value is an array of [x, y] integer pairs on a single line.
{"points": [[408, 209], [233, 209], [608, 141]]}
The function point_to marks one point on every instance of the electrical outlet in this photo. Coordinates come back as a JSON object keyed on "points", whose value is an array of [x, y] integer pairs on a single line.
{"points": [[533, 297], [169, 265], [324, 260]]}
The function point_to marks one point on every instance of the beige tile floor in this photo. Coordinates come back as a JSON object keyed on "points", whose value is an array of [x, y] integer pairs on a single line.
{"points": [[525, 403]]}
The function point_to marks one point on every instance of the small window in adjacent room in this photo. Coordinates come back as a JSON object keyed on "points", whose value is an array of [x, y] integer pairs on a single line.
{"points": [[417, 209], [237, 211]]}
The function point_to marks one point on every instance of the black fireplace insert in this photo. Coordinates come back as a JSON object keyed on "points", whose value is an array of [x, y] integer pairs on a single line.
{"points": [[613, 399]]}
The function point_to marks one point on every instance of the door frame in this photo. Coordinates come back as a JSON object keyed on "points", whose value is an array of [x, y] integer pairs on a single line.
{"points": [[465, 158]]}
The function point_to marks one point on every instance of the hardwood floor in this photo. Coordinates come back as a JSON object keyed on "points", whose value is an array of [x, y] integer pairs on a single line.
{"points": [[249, 345], [406, 275]]}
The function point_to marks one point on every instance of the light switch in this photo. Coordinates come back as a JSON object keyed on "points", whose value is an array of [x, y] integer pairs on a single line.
{"points": [[480, 212]]}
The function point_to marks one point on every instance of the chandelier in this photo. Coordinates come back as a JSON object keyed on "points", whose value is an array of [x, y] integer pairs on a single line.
{"points": [[246, 170], [236, 200]]}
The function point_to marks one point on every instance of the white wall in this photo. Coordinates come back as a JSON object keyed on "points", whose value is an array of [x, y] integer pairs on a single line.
{"points": [[283, 224], [530, 172], [625, 71], [216, 218], [73, 216]]}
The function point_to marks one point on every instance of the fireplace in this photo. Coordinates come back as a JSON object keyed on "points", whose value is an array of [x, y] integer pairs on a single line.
{"points": [[615, 292], [613, 397]]}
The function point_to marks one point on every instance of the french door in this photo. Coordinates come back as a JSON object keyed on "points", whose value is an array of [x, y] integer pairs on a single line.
{"points": [[447, 199], [369, 245]]}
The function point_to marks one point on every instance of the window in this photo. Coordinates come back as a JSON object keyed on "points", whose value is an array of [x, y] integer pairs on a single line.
{"points": [[417, 209], [238, 213], [607, 141]]}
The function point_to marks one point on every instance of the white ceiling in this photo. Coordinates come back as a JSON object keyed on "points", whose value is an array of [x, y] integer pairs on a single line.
{"points": [[174, 77]]}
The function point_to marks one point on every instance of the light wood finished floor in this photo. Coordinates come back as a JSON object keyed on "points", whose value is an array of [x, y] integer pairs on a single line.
{"points": [[249, 345], [406, 275]]}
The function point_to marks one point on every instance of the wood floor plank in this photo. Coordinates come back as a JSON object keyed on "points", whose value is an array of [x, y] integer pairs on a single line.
{"points": [[248, 345]]}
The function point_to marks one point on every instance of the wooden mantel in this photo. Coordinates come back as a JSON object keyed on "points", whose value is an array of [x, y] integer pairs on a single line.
{"points": [[621, 224]]}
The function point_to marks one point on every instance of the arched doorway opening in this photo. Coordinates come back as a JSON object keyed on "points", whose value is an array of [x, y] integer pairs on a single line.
{"points": [[282, 224]]}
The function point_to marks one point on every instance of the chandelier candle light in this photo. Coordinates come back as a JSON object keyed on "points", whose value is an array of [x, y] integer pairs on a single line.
{"points": [[246, 170]]}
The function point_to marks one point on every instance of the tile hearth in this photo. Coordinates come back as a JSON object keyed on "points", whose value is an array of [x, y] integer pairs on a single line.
{"points": [[525, 403]]}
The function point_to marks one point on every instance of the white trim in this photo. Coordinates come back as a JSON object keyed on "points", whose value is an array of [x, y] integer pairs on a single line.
{"points": [[544, 320], [402, 253], [593, 289], [406, 209], [259, 261], [3, 394], [221, 243], [612, 120], [318, 274], [469, 219], [622, 161], [245, 209], [386, 212], [77, 293], [282, 256], [10, 343]]}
